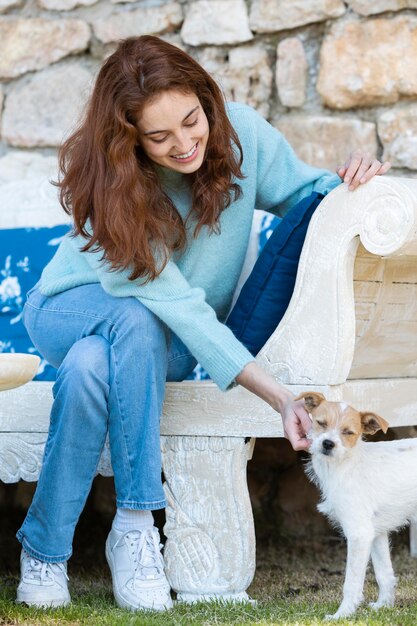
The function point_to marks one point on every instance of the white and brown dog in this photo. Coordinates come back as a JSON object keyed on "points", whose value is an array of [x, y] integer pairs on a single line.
{"points": [[368, 489]]}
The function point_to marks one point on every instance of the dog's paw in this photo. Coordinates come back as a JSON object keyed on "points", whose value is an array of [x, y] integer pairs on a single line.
{"points": [[381, 604], [339, 614]]}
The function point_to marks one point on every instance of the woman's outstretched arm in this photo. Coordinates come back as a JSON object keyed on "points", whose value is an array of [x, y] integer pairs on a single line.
{"points": [[295, 418]]}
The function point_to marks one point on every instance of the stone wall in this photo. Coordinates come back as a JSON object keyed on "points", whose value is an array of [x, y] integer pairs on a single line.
{"points": [[331, 75]]}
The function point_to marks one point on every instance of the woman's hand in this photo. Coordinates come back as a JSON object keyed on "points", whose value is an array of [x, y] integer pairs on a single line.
{"points": [[295, 419], [360, 168], [297, 423]]}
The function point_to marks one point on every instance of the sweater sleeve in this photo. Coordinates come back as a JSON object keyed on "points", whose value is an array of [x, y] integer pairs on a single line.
{"points": [[282, 179], [185, 311]]}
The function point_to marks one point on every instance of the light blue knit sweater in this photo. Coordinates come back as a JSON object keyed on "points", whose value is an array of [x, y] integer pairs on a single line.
{"points": [[193, 293]]}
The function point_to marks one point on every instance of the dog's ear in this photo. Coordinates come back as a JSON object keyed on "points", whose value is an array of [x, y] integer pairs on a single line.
{"points": [[371, 422], [312, 399]]}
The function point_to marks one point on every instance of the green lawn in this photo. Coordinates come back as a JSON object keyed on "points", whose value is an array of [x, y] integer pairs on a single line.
{"points": [[295, 584]]}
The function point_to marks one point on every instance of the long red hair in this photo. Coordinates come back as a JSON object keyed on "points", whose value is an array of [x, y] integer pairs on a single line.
{"points": [[106, 178]]}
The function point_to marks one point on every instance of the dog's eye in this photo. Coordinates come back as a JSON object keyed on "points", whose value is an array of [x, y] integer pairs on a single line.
{"points": [[321, 423], [348, 432]]}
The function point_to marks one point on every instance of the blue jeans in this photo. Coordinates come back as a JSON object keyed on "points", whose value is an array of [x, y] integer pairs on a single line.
{"points": [[113, 357]]}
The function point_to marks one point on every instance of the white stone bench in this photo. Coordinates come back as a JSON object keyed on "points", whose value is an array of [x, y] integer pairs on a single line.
{"points": [[350, 332]]}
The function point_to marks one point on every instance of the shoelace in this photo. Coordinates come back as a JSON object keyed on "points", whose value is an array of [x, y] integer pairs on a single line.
{"points": [[145, 552], [44, 572]]}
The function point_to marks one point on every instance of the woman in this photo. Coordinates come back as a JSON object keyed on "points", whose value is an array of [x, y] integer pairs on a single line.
{"points": [[161, 179]]}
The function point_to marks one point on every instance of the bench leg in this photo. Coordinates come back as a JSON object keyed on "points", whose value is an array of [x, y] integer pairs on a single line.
{"points": [[210, 548]]}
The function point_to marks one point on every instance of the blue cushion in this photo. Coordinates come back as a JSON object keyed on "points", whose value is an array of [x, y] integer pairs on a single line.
{"points": [[265, 296], [24, 252]]}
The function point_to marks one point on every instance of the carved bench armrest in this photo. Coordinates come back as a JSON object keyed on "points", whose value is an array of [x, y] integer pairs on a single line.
{"points": [[314, 343]]}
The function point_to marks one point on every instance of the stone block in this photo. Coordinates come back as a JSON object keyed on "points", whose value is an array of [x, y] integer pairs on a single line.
{"points": [[397, 130], [5, 5], [369, 63], [19, 165], [41, 111], [34, 43], [142, 21], [268, 16], [244, 74], [327, 141], [30, 198], [291, 72], [365, 7], [63, 5], [216, 22]]}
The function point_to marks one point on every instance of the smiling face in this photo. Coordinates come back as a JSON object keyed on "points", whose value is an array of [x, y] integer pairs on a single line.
{"points": [[174, 131]]}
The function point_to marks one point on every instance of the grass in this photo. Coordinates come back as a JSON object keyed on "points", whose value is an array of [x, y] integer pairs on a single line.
{"points": [[295, 584]]}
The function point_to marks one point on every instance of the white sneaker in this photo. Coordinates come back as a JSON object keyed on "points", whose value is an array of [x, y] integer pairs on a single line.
{"points": [[42, 584], [137, 568]]}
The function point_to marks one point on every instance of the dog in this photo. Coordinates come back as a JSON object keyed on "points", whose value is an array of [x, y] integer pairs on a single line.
{"points": [[368, 489]]}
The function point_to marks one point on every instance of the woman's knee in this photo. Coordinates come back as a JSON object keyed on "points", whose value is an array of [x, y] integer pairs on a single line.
{"points": [[79, 414], [86, 362]]}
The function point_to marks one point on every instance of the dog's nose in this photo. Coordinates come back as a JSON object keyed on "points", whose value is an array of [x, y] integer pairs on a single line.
{"points": [[328, 445]]}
